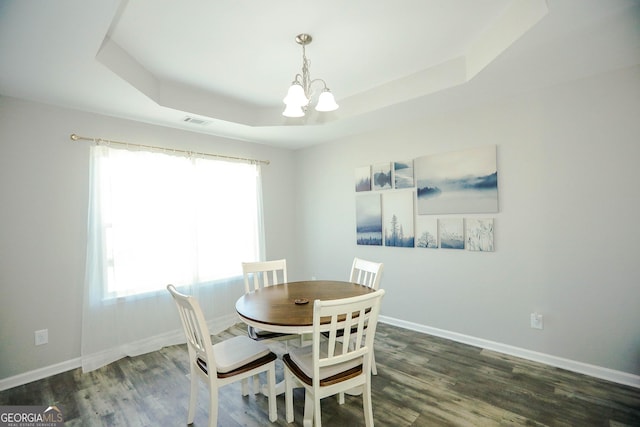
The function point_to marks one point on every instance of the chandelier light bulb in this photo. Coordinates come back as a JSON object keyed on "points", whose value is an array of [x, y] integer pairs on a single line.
{"points": [[326, 101], [295, 96]]}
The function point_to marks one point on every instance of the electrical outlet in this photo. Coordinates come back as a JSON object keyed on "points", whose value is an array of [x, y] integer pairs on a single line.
{"points": [[42, 336], [536, 321]]}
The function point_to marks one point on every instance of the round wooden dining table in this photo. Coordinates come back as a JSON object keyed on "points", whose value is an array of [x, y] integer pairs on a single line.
{"points": [[288, 307]]}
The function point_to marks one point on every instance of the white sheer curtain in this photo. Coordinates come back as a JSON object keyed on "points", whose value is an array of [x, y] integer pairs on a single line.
{"points": [[156, 219]]}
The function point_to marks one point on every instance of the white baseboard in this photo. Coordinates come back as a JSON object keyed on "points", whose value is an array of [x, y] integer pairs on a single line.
{"points": [[558, 362], [38, 374], [103, 358], [218, 325]]}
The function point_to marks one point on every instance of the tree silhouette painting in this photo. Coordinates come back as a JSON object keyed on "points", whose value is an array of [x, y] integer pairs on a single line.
{"points": [[398, 214], [451, 231], [382, 176], [426, 232], [368, 220], [479, 234], [363, 178]]}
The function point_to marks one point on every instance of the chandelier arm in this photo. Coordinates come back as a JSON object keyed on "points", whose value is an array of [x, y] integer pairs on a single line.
{"points": [[319, 80]]}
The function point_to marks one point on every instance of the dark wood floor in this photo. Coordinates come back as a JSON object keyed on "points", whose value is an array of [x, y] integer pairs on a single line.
{"points": [[422, 381]]}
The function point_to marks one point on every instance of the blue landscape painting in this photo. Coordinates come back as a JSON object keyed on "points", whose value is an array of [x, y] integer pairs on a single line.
{"points": [[451, 232], [363, 178], [368, 220], [403, 174], [458, 182], [382, 176]]}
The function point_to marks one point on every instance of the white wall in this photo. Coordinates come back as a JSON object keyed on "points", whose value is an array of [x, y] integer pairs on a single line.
{"points": [[43, 209], [566, 235]]}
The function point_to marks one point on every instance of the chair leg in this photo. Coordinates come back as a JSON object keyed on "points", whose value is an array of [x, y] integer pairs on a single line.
{"points": [[271, 383], [367, 405], [374, 368], [245, 386], [341, 398], [193, 397], [255, 384], [317, 412], [213, 406], [305, 340], [308, 409], [288, 394]]}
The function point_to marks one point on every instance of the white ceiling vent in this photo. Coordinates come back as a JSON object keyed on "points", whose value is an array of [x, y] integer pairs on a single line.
{"points": [[195, 121]]}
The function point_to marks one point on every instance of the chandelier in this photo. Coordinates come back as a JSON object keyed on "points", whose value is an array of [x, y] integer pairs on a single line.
{"points": [[299, 94]]}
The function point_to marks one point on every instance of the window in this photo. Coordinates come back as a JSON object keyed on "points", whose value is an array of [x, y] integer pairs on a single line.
{"points": [[158, 219]]}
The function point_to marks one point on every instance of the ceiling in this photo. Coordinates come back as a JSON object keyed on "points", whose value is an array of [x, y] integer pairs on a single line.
{"points": [[229, 63]]}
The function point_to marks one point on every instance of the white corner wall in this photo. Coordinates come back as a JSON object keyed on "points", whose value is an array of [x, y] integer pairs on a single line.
{"points": [[566, 235]]}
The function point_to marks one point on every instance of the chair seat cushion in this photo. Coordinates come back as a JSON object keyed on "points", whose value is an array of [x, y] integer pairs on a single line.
{"points": [[236, 352], [303, 358]]}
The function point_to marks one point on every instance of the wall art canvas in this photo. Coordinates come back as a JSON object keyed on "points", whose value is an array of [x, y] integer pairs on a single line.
{"points": [[363, 178], [458, 182], [368, 220], [403, 174], [451, 233], [479, 234], [382, 176], [398, 219], [426, 232]]}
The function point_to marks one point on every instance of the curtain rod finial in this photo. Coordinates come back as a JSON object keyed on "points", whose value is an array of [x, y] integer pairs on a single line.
{"points": [[74, 137]]}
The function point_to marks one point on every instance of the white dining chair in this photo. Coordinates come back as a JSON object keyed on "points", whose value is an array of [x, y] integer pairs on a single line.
{"points": [[258, 275], [328, 367], [263, 273], [367, 273], [234, 359]]}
